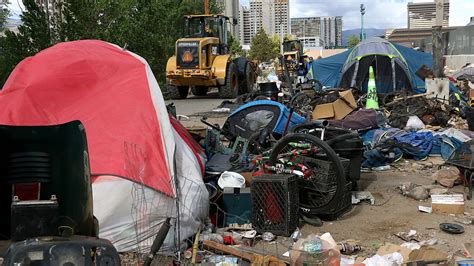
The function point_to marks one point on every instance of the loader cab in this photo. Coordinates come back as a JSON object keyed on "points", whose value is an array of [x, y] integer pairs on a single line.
{"points": [[292, 49], [208, 26], [292, 46]]}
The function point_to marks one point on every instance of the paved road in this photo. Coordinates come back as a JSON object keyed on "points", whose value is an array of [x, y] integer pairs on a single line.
{"points": [[196, 107], [194, 104]]}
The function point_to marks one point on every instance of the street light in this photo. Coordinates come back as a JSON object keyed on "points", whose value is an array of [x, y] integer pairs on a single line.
{"points": [[362, 13]]}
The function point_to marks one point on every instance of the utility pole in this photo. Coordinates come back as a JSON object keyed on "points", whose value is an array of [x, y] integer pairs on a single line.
{"points": [[304, 32], [362, 13], [206, 7], [281, 25], [438, 41]]}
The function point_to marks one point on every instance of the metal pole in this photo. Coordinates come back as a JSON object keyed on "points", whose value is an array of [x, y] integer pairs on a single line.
{"points": [[362, 13], [304, 31], [438, 41]]}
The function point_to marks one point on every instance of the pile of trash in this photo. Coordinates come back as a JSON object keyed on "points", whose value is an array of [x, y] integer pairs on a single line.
{"points": [[291, 152]]}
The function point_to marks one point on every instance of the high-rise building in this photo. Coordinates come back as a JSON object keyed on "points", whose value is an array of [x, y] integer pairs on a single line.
{"points": [[331, 31], [231, 10], [271, 15], [245, 25], [318, 31], [423, 14], [282, 17]]}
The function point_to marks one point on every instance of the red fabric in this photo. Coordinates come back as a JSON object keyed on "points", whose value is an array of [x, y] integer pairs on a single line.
{"points": [[105, 88], [228, 240], [184, 134]]}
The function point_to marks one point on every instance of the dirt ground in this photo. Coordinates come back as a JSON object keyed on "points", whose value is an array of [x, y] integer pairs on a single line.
{"points": [[373, 225], [370, 225]]}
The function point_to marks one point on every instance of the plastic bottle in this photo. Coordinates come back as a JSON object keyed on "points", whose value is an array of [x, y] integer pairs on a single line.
{"points": [[313, 245], [348, 249], [296, 235], [382, 168]]}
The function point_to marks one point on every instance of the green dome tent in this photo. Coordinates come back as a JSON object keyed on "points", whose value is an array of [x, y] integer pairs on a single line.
{"points": [[391, 62], [390, 67]]}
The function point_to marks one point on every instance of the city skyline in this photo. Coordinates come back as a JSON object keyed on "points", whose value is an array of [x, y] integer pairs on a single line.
{"points": [[349, 9], [376, 11], [318, 31]]}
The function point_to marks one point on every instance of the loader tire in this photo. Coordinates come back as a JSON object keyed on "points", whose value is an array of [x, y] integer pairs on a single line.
{"points": [[199, 90], [244, 70], [231, 88], [178, 92]]}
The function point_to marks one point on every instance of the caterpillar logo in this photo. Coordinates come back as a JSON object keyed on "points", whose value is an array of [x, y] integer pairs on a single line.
{"points": [[187, 57]]}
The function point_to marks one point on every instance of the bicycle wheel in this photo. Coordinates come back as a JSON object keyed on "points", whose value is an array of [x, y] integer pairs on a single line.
{"points": [[323, 183], [301, 104]]}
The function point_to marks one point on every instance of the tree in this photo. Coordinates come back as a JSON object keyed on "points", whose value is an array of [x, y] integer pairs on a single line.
{"points": [[289, 37], [148, 28], [4, 12], [264, 48], [32, 37], [235, 48], [352, 41], [276, 44]]}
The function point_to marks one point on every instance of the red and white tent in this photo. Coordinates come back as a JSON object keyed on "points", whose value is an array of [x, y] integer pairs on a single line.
{"points": [[141, 160]]}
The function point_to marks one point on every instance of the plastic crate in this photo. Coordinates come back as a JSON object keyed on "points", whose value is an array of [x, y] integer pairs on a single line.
{"points": [[323, 172], [275, 204], [342, 207]]}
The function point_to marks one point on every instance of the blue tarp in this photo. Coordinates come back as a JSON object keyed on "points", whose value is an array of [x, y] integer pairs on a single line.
{"points": [[415, 59], [328, 70]]}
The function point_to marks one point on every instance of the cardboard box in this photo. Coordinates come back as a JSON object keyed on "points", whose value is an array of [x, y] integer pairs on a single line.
{"points": [[414, 257], [338, 109], [427, 253], [437, 88], [471, 97], [390, 248], [447, 204]]}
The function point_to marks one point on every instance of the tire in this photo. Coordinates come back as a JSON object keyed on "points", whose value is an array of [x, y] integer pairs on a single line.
{"points": [[178, 92], [231, 88], [244, 71], [328, 200], [199, 90]]}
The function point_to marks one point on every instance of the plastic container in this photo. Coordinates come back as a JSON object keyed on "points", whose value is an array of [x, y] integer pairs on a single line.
{"points": [[325, 257], [231, 179], [342, 207], [352, 149], [270, 90], [465, 263]]}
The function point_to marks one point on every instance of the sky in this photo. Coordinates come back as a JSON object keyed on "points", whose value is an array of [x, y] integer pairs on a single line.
{"points": [[380, 14]]}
